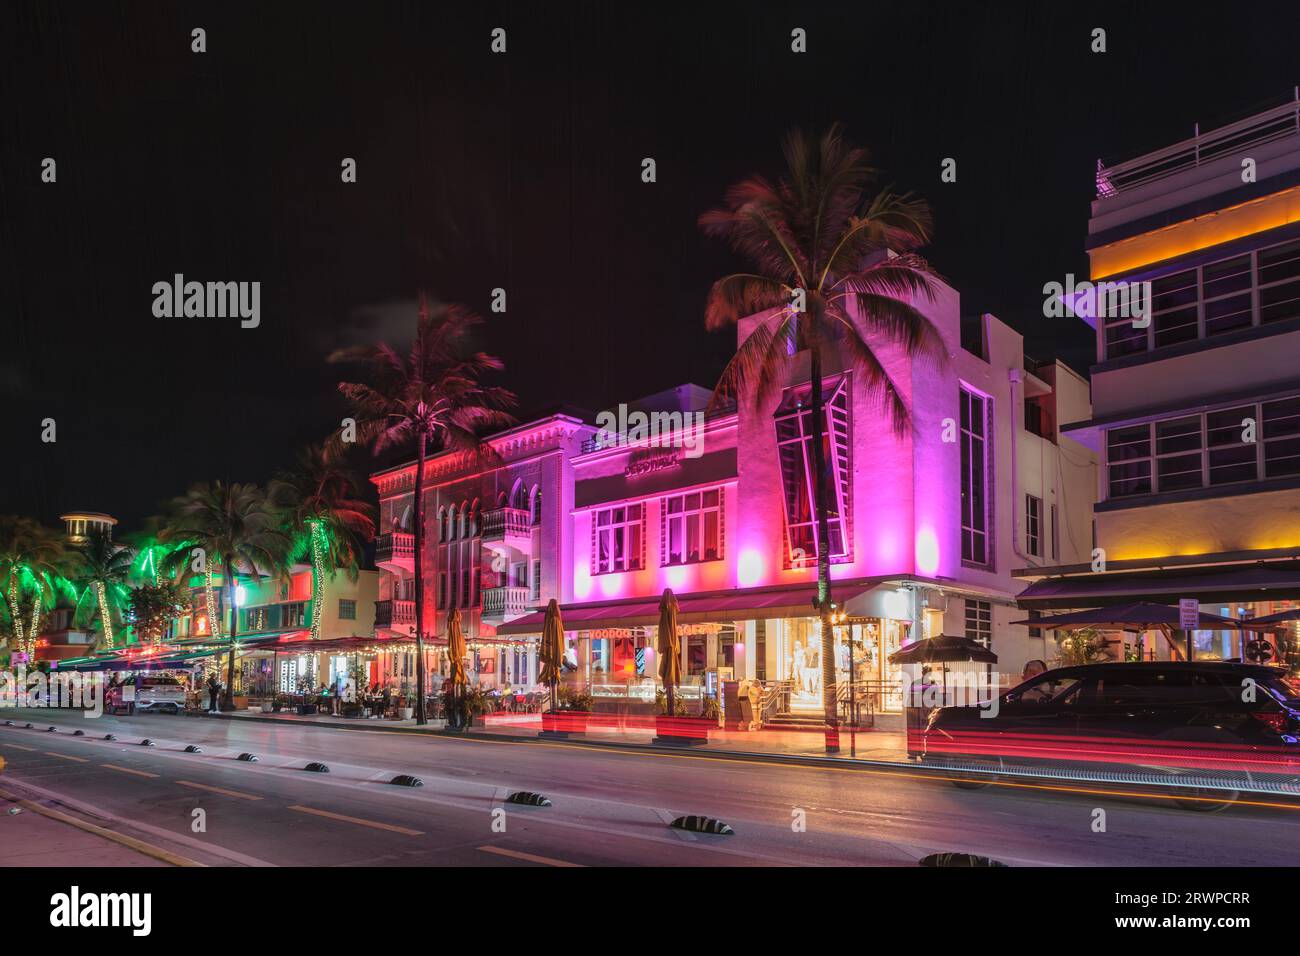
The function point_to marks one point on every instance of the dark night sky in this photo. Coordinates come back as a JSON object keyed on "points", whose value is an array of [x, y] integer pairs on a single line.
{"points": [[520, 171]]}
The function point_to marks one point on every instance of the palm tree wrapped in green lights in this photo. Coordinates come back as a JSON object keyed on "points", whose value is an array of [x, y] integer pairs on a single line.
{"points": [[321, 505], [431, 397], [103, 568], [235, 523], [31, 576], [836, 270]]}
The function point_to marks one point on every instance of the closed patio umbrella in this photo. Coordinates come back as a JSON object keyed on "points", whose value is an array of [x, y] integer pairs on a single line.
{"points": [[551, 650], [456, 660], [668, 645]]}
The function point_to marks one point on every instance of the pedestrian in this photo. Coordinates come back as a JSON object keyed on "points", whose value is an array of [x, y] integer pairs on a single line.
{"points": [[214, 688]]}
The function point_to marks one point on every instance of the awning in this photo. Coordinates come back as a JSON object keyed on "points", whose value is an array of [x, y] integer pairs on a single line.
{"points": [[1139, 616], [1265, 582], [710, 607]]}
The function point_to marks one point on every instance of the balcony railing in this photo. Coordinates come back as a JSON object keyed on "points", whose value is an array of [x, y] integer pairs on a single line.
{"points": [[506, 522], [391, 613], [395, 547], [500, 602]]}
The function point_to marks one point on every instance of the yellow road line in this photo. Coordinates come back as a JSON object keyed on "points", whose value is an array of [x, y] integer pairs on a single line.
{"points": [[21, 747], [357, 820], [930, 777], [221, 790], [138, 773], [529, 857], [51, 753], [148, 849]]}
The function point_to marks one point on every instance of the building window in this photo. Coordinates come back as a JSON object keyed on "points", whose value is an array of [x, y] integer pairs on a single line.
{"points": [[979, 622], [1224, 447], [347, 610], [536, 506], [537, 581], [976, 411], [1253, 289], [1056, 535], [619, 543], [256, 619], [1034, 526], [795, 454], [692, 527], [293, 615]]}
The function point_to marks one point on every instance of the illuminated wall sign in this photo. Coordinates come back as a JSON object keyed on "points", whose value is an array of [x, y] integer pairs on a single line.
{"points": [[651, 462]]}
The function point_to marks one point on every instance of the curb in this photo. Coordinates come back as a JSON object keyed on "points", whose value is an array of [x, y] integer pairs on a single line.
{"points": [[148, 849]]}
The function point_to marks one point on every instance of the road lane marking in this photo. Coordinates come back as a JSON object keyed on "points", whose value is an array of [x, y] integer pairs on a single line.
{"points": [[21, 747], [357, 820], [528, 857], [138, 773], [229, 793], [148, 849], [51, 753]]}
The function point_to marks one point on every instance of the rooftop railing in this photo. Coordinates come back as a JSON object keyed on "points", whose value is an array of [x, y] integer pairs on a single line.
{"points": [[1262, 127]]}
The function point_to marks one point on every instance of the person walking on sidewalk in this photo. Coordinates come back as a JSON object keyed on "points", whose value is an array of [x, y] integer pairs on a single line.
{"points": [[214, 688]]}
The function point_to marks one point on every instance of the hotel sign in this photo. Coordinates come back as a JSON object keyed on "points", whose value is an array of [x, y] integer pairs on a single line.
{"points": [[650, 462]]}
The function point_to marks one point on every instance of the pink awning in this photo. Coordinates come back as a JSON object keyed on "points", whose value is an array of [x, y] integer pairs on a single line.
{"points": [[713, 606]]}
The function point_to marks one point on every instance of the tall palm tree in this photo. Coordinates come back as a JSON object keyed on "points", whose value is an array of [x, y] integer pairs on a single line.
{"points": [[102, 567], [31, 573], [321, 506], [235, 524], [836, 272], [431, 397]]}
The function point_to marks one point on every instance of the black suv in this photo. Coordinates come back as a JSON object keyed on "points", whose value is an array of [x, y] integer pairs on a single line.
{"points": [[1204, 716]]}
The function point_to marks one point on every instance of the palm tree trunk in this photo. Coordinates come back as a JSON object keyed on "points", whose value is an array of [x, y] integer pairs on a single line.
{"points": [[317, 534], [105, 618], [33, 628], [820, 494], [16, 615], [229, 703], [418, 510]]}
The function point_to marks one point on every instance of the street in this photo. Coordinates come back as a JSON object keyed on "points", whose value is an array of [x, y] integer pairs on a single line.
{"points": [[610, 807]]}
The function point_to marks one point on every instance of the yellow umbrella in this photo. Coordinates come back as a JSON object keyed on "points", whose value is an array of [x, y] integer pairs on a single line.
{"points": [[551, 650], [456, 650], [668, 645]]}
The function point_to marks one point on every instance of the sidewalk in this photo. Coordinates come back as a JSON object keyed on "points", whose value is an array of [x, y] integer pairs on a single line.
{"points": [[629, 732], [29, 838]]}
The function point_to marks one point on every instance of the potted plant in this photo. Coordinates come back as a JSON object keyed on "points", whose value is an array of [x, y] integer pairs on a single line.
{"points": [[571, 716], [279, 702], [267, 705], [677, 729]]}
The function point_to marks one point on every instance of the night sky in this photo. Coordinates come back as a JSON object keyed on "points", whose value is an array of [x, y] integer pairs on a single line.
{"points": [[521, 171]]}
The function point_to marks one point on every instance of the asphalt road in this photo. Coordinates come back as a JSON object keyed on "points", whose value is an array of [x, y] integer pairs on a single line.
{"points": [[609, 807]]}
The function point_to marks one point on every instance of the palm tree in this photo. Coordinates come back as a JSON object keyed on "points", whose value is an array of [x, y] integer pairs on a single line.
{"points": [[836, 272], [31, 571], [103, 567], [320, 503], [232, 523], [432, 397]]}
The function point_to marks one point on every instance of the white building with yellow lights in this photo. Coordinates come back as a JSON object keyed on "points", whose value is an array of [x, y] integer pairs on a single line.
{"points": [[1196, 404]]}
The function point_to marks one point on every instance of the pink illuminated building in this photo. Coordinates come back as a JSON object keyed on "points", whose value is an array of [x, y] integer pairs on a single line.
{"points": [[926, 531]]}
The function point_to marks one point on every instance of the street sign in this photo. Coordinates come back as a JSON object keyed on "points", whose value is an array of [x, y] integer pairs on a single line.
{"points": [[1189, 614]]}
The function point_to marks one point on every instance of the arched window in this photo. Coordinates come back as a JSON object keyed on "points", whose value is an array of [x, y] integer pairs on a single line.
{"points": [[464, 519], [517, 495], [535, 505], [473, 518], [450, 531], [501, 500], [405, 523], [442, 525]]}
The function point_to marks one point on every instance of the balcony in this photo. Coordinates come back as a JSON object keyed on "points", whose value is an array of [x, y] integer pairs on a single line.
{"points": [[395, 552], [505, 602], [512, 526], [394, 613]]}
